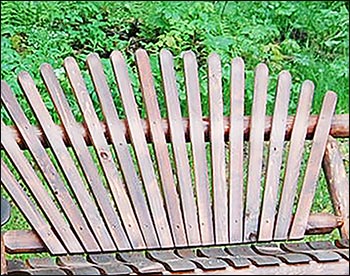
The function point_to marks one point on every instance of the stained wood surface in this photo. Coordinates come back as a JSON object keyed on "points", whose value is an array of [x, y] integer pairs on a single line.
{"points": [[161, 148], [256, 143], [219, 183], [67, 164], [338, 183], [236, 139], [295, 156], [339, 129], [142, 153], [198, 147], [131, 179], [276, 148], [179, 148], [104, 155], [313, 167], [84, 157]]}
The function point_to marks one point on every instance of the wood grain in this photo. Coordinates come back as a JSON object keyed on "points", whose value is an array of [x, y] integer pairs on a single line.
{"points": [[218, 167], [200, 165], [313, 166], [256, 143], [295, 156], [268, 210], [236, 176], [171, 196], [142, 153], [179, 146]]}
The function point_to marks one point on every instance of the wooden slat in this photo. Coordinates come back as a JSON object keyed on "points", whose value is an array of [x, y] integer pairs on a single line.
{"points": [[338, 183], [30, 212], [200, 166], [49, 171], [295, 156], [216, 109], [104, 154], [313, 166], [142, 153], [268, 211], [39, 193], [132, 181], [178, 143], [161, 149], [84, 157], [256, 143], [236, 139], [339, 129], [66, 163]]}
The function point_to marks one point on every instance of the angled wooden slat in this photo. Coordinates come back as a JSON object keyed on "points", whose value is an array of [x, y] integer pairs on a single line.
{"points": [[142, 153], [295, 154], [268, 211], [178, 143], [66, 163], [84, 157], [39, 193], [216, 110], [313, 166], [200, 166], [30, 212], [256, 144], [104, 154], [49, 171], [132, 181], [161, 149], [236, 138]]}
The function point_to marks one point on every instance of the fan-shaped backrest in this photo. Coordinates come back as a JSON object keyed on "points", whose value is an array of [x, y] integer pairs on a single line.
{"points": [[119, 189]]}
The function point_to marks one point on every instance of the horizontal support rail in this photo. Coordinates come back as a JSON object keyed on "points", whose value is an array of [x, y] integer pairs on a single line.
{"points": [[339, 129]]}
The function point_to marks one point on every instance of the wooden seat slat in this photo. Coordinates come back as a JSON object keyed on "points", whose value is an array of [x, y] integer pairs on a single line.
{"points": [[84, 157], [269, 201], [200, 166], [218, 167], [104, 155], [236, 148], [256, 144], [178, 142], [132, 181], [313, 166], [171, 196], [67, 165], [295, 155], [49, 171], [142, 153]]}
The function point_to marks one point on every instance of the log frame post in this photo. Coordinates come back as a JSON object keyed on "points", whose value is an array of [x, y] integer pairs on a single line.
{"points": [[338, 183], [3, 257]]}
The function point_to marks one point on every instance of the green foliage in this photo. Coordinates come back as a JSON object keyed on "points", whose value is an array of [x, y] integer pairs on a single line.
{"points": [[308, 38]]}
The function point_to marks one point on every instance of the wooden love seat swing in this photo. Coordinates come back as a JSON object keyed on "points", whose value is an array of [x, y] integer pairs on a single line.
{"points": [[171, 195]]}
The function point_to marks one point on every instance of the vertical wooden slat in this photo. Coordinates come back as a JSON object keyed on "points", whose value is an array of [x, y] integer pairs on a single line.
{"points": [[161, 149], [220, 196], [66, 163], [236, 138], [268, 211], [30, 212], [293, 163], [140, 145], [313, 166], [256, 144], [84, 157], [133, 183], [178, 143], [104, 154], [199, 153], [49, 171]]}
